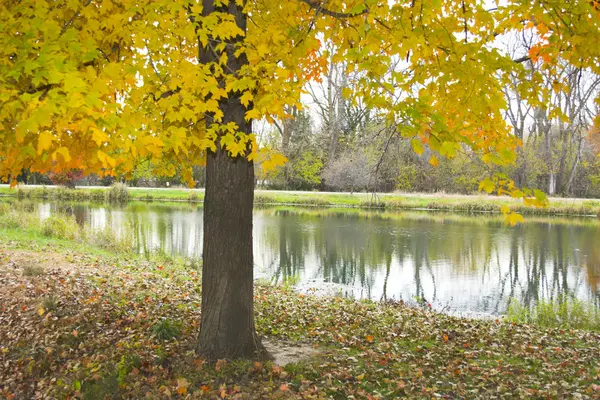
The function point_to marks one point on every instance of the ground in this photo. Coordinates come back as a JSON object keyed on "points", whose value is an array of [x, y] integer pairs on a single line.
{"points": [[94, 325]]}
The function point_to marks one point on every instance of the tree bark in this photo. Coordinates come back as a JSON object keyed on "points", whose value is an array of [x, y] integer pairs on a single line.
{"points": [[227, 327]]}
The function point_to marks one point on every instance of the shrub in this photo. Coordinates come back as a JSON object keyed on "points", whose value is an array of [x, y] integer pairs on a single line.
{"points": [[109, 239], [193, 197], [118, 192], [15, 215], [126, 365], [60, 226], [97, 195], [22, 192]]}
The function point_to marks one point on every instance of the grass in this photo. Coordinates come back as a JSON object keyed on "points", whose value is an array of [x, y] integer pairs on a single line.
{"points": [[565, 313], [388, 201], [166, 330], [119, 314], [33, 270]]}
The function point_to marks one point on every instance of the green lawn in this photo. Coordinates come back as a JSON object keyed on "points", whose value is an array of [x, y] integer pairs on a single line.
{"points": [[393, 201]]}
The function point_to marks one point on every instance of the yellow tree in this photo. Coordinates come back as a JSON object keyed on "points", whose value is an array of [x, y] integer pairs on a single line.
{"points": [[100, 85]]}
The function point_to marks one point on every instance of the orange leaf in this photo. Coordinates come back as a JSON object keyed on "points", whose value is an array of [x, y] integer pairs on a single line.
{"points": [[182, 385], [434, 161]]}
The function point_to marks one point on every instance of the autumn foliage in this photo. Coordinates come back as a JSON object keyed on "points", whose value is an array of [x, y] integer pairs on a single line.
{"points": [[99, 86]]}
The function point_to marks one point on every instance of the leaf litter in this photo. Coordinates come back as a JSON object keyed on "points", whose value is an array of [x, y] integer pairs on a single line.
{"points": [[83, 327]]}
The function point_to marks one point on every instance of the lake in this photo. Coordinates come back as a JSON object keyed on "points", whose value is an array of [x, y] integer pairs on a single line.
{"points": [[469, 264]]}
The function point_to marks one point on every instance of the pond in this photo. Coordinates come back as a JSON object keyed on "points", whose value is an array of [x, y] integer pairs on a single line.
{"points": [[469, 264]]}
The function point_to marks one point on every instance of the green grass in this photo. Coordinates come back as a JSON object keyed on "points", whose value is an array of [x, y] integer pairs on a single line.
{"points": [[389, 201], [565, 313], [166, 330]]}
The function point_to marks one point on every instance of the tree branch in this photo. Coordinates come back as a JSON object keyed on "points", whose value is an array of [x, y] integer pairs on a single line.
{"points": [[317, 5], [166, 94], [521, 59]]}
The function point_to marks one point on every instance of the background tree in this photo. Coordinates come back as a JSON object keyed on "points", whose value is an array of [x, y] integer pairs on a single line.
{"points": [[97, 85]]}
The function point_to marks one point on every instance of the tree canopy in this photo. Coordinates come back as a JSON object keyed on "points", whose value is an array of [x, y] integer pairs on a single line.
{"points": [[100, 85]]}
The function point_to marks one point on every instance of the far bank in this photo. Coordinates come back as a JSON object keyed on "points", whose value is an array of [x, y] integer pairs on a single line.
{"points": [[391, 201]]}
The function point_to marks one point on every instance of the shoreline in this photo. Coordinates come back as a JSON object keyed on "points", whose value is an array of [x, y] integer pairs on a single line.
{"points": [[383, 201]]}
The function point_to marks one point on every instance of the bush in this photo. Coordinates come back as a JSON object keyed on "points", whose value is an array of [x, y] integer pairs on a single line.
{"points": [[118, 192], [350, 173], [13, 216], [108, 238], [22, 192], [60, 226], [193, 197]]}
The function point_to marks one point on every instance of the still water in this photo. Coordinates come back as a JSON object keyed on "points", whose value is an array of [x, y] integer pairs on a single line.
{"points": [[469, 264]]}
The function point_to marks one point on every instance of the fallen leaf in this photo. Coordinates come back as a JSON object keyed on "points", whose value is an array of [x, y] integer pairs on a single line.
{"points": [[182, 385]]}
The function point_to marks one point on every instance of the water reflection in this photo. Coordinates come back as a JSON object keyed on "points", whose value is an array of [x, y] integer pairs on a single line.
{"points": [[470, 264]]}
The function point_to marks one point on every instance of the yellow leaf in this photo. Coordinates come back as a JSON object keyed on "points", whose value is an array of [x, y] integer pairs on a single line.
{"points": [[417, 146], [487, 185], [44, 142], [246, 98], [514, 219], [64, 152], [274, 161], [41, 311], [434, 161], [106, 160], [252, 114], [98, 136]]}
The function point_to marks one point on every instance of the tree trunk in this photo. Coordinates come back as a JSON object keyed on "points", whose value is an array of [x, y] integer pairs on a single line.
{"points": [[227, 321], [568, 190]]}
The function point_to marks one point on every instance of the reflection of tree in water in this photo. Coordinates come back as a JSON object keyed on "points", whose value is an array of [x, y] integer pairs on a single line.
{"points": [[350, 251], [368, 253], [528, 263], [552, 268], [591, 262], [292, 243]]}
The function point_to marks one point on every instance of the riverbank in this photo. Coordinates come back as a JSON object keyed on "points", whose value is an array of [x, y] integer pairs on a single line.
{"points": [[389, 201], [85, 322]]}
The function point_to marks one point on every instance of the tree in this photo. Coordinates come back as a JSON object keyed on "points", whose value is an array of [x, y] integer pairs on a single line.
{"points": [[95, 85], [66, 178]]}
